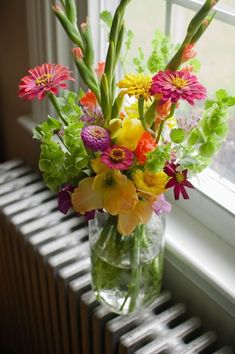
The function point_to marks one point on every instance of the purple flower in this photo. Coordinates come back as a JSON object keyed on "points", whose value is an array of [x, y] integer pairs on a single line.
{"points": [[95, 138], [64, 198], [161, 205], [92, 116], [176, 85]]}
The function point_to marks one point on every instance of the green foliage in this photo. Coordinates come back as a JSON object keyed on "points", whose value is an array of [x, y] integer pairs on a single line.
{"points": [[139, 62], [206, 139], [157, 158], [107, 18], [161, 50], [196, 64], [63, 155]]}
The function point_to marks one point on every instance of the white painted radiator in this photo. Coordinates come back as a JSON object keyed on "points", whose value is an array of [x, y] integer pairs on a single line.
{"points": [[46, 302]]}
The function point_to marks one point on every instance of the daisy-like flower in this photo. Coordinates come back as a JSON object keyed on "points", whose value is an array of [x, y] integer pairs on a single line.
{"points": [[117, 157], [47, 78], [178, 180], [176, 85], [137, 85], [149, 182], [95, 138]]}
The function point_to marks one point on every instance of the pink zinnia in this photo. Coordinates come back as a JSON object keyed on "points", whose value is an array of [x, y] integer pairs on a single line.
{"points": [[175, 85], [44, 79], [178, 180], [117, 157]]}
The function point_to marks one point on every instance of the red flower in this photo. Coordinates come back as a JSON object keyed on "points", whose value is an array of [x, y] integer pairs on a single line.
{"points": [[89, 100], [44, 79], [178, 180], [146, 144]]}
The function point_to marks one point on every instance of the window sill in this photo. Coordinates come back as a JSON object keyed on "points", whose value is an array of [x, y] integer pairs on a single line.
{"points": [[202, 257]]}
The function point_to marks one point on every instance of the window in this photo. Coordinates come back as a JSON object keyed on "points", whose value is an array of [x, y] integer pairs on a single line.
{"points": [[213, 204]]}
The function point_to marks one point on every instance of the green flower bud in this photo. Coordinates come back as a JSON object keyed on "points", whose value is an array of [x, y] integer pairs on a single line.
{"points": [[177, 135], [193, 137], [207, 149], [222, 130]]}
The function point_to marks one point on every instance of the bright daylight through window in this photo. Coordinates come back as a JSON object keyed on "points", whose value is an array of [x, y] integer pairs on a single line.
{"points": [[216, 52]]}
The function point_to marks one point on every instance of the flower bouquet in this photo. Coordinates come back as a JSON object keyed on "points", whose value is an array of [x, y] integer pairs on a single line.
{"points": [[112, 152]]}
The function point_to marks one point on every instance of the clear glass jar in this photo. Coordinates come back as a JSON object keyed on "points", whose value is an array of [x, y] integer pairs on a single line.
{"points": [[126, 270]]}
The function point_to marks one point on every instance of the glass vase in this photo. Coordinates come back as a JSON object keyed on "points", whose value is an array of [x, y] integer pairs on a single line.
{"points": [[126, 270]]}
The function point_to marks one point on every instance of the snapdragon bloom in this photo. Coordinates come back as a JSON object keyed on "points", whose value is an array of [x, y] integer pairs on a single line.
{"points": [[47, 78], [176, 85], [178, 180]]}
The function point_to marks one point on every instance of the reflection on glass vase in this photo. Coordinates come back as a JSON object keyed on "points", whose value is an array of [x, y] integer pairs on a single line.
{"points": [[126, 270]]}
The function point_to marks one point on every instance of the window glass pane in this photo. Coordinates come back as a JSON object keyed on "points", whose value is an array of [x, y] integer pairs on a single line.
{"points": [[144, 18], [216, 51]]}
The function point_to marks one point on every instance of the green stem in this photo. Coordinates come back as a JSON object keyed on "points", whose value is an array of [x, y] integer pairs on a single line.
{"points": [[136, 272], [173, 107], [55, 104]]}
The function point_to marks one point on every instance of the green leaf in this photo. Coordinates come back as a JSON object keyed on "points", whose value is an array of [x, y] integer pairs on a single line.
{"points": [[107, 18], [221, 95]]}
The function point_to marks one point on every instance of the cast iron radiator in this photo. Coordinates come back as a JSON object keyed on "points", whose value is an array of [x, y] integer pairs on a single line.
{"points": [[46, 302]]}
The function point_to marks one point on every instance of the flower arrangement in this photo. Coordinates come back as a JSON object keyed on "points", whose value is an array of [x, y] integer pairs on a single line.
{"points": [[120, 146]]}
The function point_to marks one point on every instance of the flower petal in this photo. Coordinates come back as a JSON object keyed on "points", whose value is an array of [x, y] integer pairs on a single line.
{"points": [[85, 198]]}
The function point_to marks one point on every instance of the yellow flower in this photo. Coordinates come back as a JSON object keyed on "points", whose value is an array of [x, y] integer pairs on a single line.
{"points": [[98, 166], [110, 190], [142, 212], [137, 85], [118, 192], [84, 198], [147, 181], [130, 133]]}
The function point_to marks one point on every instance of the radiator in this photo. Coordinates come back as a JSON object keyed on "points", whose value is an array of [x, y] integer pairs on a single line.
{"points": [[46, 302]]}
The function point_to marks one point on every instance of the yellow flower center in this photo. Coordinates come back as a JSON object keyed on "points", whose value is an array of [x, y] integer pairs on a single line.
{"points": [[179, 83], [179, 177], [43, 80], [117, 155]]}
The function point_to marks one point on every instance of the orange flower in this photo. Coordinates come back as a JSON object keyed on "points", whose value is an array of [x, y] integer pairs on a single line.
{"points": [[188, 52], [78, 53], [89, 100], [163, 109], [100, 69], [146, 144]]}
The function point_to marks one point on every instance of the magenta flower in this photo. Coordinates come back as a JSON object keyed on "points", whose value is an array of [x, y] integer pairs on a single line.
{"points": [[176, 85], [117, 157], [95, 138], [178, 180], [161, 205], [44, 79]]}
